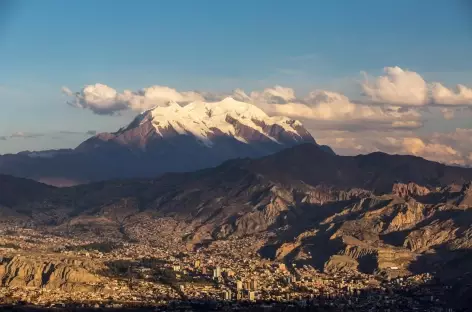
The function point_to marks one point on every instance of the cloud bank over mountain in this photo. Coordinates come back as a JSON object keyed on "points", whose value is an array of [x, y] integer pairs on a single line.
{"points": [[387, 115], [453, 147]]}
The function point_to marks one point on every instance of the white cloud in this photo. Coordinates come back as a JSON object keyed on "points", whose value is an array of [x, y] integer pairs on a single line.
{"points": [[408, 88], [316, 97], [398, 86], [429, 150], [333, 109], [451, 148], [387, 97], [331, 106], [275, 95], [460, 139], [66, 91], [444, 96], [104, 100], [237, 94], [158, 96], [99, 98]]}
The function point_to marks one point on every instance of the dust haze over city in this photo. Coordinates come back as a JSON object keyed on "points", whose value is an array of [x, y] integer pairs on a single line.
{"points": [[235, 155]]}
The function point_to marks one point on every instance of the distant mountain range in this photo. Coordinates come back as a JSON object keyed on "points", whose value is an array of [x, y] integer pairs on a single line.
{"points": [[164, 139], [374, 213]]}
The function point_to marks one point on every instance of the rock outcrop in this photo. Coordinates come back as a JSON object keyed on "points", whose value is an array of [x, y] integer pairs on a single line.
{"points": [[410, 189], [23, 271], [465, 198], [407, 215]]}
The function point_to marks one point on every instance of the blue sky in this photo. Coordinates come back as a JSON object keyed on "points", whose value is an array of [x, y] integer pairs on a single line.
{"points": [[212, 46]]}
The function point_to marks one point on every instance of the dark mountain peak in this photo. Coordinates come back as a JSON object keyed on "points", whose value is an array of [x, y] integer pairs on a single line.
{"points": [[376, 172]]}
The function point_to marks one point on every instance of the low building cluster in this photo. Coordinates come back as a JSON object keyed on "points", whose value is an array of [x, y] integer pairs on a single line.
{"points": [[229, 273]]}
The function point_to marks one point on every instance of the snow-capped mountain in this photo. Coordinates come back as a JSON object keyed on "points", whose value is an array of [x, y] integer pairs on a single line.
{"points": [[207, 123], [173, 138]]}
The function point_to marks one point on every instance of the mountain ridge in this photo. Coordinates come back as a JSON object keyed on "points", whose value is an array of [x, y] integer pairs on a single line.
{"points": [[357, 171], [164, 139], [309, 215]]}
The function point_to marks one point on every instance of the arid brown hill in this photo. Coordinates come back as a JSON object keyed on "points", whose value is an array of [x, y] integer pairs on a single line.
{"points": [[373, 213]]}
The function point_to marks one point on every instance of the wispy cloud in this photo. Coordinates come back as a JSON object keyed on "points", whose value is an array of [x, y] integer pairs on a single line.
{"points": [[305, 57], [54, 135], [25, 135], [67, 132], [290, 71]]}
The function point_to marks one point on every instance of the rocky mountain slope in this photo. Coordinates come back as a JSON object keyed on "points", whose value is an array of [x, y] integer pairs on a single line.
{"points": [[164, 139], [377, 213], [28, 271]]}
